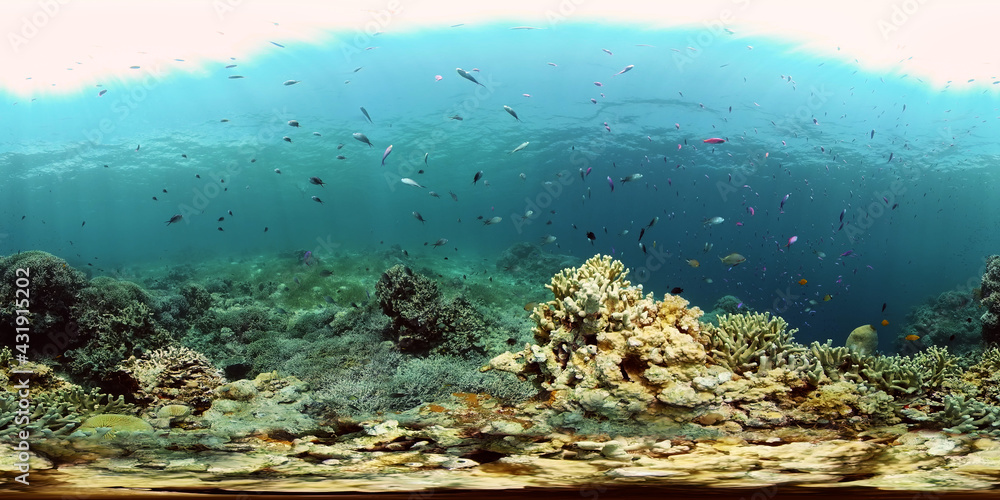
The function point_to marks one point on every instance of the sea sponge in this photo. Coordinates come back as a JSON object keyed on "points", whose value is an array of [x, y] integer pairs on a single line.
{"points": [[605, 348], [863, 340]]}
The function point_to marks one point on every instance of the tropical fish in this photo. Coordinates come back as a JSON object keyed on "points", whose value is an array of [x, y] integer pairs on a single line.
{"points": [[363, 138], [453, 195], [105, 91], [591, 236], [479, 175], [781, 206], [693, 263], [713, 140], [708, 247], [286, 139], [912, 337], [885, 322], [803, 281], [890, 158], [675, 290], [465, 74], [410, 182], [712, 221], [419, 217], [633, 177], [306, 257], [642, 246], [425, 157], [791, 240], [611, 183], [548, 239], [365, 112], [490, 222], [827, 297], [293, 123], [522, 146], [386, 154], [316, 199], [290, 82], [317, 181], [884, 304], [511, 111], [175, 218], [440, 242], [626, 70], [733, 259], [653, 222]]}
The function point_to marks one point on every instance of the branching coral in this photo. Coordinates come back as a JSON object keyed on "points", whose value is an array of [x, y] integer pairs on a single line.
{"points": [[605, 348], [58, 413], [751, 342], [907, 375]]}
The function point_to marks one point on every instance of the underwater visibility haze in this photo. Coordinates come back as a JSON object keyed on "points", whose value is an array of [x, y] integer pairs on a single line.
{"points": [[352, 233]]}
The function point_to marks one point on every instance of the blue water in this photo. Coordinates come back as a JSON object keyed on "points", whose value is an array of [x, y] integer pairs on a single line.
{"points": [[942, 174]]}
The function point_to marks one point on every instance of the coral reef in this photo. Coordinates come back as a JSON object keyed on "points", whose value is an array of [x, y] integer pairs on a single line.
{"points": [[990, 293], [529, 261], [53, 288], [863, 340], [269, 405], [422, 321], [605, 348], [901, 375], [175, 375], [115, 322], [951, 319], [727, 304], [754, 342]]}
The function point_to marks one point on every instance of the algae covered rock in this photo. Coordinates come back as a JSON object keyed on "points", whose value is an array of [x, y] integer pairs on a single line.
{"points": [[863, 340], [990, 292]]}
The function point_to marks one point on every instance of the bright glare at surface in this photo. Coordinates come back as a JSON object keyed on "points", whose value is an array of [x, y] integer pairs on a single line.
{"points": [[63, 45]]}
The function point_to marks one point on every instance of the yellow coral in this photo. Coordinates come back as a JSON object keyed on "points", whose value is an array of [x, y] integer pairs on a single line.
{"points": [[116, 423]]}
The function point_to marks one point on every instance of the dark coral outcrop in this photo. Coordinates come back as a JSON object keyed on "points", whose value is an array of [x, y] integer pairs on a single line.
{"points": [[991, 301]]}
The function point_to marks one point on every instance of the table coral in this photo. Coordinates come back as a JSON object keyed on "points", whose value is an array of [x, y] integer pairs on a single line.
{"points": [[606, 348]]}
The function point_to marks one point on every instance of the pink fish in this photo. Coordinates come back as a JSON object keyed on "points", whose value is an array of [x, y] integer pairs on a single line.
{"points": [[589, 169], [791, 240], [593, 100], [677, 126], [607, 126], [750, 209], [386, 154], [739, 223], [670, 182], [437, 78], [679, 147], [714, 140], [783, 200], [611, 183]]}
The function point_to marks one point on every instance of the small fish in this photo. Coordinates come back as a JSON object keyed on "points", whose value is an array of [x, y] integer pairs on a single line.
{"points": [[912, 337], [317, 134], [325, 273], [456, 117], [883, 306], [175, 218], [290, 82], [653, 222], [608, 52], [845, 254], [316, 199], [365, 112], [890, 158], [328, 299], [633, 177], [341, 157], [548, 239], [712, 221], [827, 298], [693, 263], [317, 181], [492, 221], [842, 212], [438, 78], [626, 70], [733, 259], [265, 229], [802, 281], [235, 77], [591, 236], [293, 123], [84, 224], [791, 240], [286, 139], [416, 215], [440, 242], [386, 154], [465, 74], [641, 233], [511, 112], [219, 228], [221, 219], [105, 91], [276, 44], [277, 170], [885, 322], [425, 157], [410, 182], [675, 290], [522, 146], [713, 140], [611, 183], [363, 138], [475, 179], [455, 196], [873, 134]]}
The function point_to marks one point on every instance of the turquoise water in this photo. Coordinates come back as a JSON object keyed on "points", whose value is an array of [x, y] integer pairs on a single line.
{"points": [[55, 149]]}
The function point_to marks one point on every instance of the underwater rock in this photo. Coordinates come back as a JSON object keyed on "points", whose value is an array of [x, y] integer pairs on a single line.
{"points": [[990, 292], [530, 261], [278, 409], [863, 340], [53, 286], [951, 319], [422, 320]]}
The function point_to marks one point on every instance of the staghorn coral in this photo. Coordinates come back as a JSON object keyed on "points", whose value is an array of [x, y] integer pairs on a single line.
{"points": [[754, 342], [175, 375], [966, 415], [605, 348], [900, 375], [57, 413]]}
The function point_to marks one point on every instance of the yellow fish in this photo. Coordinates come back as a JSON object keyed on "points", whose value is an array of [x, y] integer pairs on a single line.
{"points": [[885, 322], [803, 281], [827, 297], [693, 263], [911, 338], [733, 259]]}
